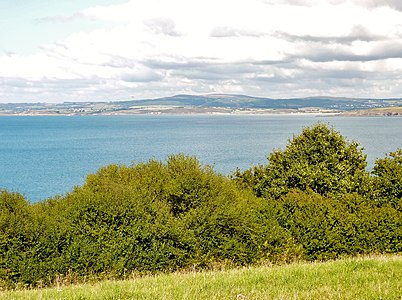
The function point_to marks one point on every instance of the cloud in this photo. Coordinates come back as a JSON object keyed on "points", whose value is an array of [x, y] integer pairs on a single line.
{"points": [[140, 76], [60, 18], [225, 31], [357, 33], [162, 26], [394, 4], [50, 89], [117, 61], [323, 53], [156, 48]]}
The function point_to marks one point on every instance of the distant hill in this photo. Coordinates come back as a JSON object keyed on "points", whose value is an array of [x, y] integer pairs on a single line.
{"points": [[242, 101], [210, 103]]}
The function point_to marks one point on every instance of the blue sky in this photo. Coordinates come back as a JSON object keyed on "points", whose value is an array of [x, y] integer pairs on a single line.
{"points": [[96, 50], [25, 24]]}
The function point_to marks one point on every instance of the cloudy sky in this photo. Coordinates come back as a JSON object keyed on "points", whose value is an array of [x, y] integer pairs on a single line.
{"points": [[89, 50]]}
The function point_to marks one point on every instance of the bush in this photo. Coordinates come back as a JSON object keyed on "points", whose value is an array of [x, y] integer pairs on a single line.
{"points": [[319, 159], [148, 217], [387, 181], [346, 225], [15, 236]]}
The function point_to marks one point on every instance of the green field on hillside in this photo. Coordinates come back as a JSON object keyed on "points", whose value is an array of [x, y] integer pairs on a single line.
{"points": [[377, 277]]}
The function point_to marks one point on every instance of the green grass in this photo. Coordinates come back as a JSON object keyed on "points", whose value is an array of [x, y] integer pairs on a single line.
{"points": [[378, 277]]}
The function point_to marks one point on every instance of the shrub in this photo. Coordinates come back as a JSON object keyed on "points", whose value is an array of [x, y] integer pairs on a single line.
{"points": [[148, 217], [345, 225], [15, 236], [388, 179], [319, 159]]}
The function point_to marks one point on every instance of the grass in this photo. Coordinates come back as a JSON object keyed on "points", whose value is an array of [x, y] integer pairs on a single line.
{"points": [[378, 277]]}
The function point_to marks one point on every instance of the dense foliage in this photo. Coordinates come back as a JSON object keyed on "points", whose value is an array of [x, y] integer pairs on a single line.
{"points": [[329, 227], [388, 179], [319, 159], [314, 200], [148, 217]]}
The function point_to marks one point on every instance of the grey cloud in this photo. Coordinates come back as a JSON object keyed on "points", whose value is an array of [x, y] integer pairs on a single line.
{"points": [[7, 52], [56, 50], [14, 82], [224, 31], [291, 2], [341, 74], [336, 76], [68, 84], [361, 33], [357, 33], [47, 89], [116, 61], [395, 4], [277, 79], [173, 64], [297, 78], [204, 69], [389, 49], [322, 53], [284, 63], [164, 26], [313, 82], [215, 72], [141, 76], [287, 77]]}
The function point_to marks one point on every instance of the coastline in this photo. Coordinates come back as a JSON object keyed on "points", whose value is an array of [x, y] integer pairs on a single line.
{"points": [[212, 111], [179, 111]]}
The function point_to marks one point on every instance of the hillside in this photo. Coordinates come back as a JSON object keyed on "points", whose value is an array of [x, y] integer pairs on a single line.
{"points": [[358, 278], [211, 103], [243, 102], [383, 111]]}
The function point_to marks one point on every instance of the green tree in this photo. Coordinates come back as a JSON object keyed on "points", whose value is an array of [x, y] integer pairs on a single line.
{"points": [[319, 159], [15, 235], [327, 227], [388, 178]]}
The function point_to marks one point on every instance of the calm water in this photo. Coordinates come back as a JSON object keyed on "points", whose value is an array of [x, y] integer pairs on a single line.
{"points": [[44, 156]]}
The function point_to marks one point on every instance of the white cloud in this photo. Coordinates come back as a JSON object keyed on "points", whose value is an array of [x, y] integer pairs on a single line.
{"points": [[268, 48]]}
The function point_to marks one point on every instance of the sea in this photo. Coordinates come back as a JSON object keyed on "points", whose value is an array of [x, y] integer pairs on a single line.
{"points": [[46, 156]]}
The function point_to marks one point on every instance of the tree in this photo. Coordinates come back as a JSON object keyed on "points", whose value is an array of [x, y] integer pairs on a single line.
{"points": [[319, 159], [388, 178]]}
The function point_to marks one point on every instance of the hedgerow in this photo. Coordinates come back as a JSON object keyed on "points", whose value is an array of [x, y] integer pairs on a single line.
{"points": [[148, 217]]}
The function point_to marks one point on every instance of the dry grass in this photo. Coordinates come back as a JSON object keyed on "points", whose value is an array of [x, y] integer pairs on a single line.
{"points": [[376, 277]]}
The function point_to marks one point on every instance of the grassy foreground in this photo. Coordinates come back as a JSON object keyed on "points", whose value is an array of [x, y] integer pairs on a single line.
{"points": [[376, 277]]}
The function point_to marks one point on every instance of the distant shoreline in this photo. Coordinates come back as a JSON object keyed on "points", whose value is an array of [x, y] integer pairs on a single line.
{"points": [[259, 113], [219, 111], [172, 114]]}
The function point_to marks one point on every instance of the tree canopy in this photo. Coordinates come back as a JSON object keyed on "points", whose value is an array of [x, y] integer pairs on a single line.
{"points": [[388, 178], [319, 159]]}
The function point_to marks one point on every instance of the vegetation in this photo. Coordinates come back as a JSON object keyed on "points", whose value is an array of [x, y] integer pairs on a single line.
{"points": [[312, 201], [358, 278], [388, 179], [319, 159]]}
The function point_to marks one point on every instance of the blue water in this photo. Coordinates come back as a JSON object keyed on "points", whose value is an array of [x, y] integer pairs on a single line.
{"points": [[44, 156]]}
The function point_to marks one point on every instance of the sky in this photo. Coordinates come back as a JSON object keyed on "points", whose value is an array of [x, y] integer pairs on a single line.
{"points": [[109, 50]]}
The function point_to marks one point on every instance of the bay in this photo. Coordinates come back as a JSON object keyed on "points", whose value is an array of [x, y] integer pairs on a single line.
{"points": [[41, 157]]}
